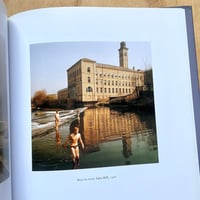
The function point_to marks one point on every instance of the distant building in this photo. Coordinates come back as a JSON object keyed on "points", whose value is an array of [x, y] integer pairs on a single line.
{"points": [[62, 97], [52, 99], [91, 82]]}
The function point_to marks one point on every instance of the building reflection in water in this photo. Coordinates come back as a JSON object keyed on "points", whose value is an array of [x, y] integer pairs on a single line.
{"points": [[102, 124]]}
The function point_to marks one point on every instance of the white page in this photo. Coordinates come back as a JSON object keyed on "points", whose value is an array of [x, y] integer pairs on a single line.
{"points": [[5, 175], [176, 175]]}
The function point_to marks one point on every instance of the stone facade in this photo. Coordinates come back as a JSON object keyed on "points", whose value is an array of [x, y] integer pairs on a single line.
{"points": [[62, 97]]}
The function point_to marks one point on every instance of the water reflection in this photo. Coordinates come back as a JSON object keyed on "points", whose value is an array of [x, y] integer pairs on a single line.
{"points": [[103, 124], [111, 138], [58, 137]]}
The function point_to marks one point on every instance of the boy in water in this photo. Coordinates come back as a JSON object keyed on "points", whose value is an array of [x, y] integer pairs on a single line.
{"points": [[74, 139], [57, 120]]}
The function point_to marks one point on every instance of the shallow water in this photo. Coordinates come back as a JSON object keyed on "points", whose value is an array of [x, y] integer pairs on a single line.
{"points": [[111, 137]]}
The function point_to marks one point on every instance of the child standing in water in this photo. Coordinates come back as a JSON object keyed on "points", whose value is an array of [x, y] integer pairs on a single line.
{"points": [[57, 120], [74, 139]]}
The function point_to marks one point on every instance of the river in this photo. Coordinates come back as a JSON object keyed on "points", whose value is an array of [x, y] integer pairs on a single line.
{"points": [[111, 138]]}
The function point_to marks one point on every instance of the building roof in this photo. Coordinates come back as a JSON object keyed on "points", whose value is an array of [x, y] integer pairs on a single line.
{"points": [[82, 59], [61, 90], [107, 66], [86, 60], [114, 67]]}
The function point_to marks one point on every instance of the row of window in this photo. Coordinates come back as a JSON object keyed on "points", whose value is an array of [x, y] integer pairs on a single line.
{"points": [[109, 82], [76, 72], [109, 90], [111, 75], [114, 76], [113, 90], [116, 83]]}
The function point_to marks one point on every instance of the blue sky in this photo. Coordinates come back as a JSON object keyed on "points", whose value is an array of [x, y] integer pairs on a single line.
{"points": [[49, 61]]}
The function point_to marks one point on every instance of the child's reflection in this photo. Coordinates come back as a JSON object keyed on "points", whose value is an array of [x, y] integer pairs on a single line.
{"points": [[127, 147], [58, 138]]}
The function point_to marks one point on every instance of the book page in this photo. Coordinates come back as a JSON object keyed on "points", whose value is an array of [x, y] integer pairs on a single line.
{"points": [[5, 175], [102, 105]]}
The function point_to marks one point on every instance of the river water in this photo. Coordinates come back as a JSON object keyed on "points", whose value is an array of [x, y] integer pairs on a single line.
{"points": [[111, 138]]}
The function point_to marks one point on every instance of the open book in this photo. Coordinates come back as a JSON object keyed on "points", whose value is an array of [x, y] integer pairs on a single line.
{"points": [[99, 103]]}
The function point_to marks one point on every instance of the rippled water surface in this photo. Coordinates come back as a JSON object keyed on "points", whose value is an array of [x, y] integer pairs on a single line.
{"points": [[111, 137]]}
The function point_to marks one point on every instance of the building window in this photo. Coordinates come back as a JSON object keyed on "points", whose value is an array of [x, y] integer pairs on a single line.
{"points": [[89, 89], [89, 79], [88, 69]]}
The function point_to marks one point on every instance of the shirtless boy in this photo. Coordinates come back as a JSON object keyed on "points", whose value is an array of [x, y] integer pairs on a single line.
{"points": [[57, 120], [74, 139]]}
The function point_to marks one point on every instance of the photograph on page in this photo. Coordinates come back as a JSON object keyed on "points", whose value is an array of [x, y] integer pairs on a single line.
{"points": [[92, 105]]}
